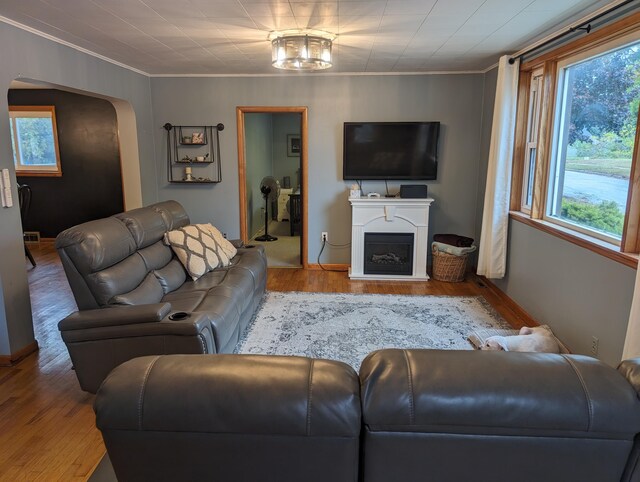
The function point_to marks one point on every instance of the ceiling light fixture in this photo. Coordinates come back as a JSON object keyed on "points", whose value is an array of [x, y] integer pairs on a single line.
{"points": [[301, 51]]}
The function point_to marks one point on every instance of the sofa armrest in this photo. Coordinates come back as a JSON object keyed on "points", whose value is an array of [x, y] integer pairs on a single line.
{"points": [[116, 316], [98, 349], [197, 324], [630, 369], [237, 243]]}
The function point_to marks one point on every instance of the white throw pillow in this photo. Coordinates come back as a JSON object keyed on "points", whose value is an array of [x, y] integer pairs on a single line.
{"points": [[200, 248], [195, 248], [226, 250]]}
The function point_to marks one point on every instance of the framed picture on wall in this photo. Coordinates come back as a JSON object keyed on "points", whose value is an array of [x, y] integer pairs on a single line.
{"points": [[293, 145]]}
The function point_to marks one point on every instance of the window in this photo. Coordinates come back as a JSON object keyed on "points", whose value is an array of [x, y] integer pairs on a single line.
{"points": [[594, 136], [34, 139], [531, 147], [576, 174]]}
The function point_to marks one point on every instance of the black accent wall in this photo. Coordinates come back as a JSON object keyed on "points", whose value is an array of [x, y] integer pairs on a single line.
{"points": [[91, 182]]}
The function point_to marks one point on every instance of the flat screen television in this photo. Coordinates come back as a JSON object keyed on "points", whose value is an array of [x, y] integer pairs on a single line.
{"points": [[390, 150]]}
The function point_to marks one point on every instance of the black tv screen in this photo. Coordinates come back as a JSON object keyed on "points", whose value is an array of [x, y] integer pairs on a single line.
{"points": [[390, 150]]}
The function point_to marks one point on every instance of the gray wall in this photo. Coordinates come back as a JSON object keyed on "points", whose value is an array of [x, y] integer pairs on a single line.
{"points": [[28, 56], [258, 130], [284, 165], [454, 100], [578, 293]]}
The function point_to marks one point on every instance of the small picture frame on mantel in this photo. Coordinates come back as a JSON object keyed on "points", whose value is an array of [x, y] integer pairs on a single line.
{"points": [[294, 145]]}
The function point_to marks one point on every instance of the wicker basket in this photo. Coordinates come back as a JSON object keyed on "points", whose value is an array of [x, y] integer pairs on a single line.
{"points": [[448, 267]]}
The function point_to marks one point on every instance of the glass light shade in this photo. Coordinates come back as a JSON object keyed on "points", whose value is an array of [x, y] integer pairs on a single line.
{"points": [[301, 52]]}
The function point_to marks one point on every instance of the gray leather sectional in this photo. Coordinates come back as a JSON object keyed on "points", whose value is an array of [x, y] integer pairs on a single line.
{"points": [[446, 416], [136, 299]]}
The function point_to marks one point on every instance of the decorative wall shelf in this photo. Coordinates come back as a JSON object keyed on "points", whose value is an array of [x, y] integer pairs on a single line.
{"points": [[193, 154]]}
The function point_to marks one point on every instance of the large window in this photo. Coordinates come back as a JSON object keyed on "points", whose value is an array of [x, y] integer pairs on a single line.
{"points": [[34, 140], [577, 154], [594, 136]]}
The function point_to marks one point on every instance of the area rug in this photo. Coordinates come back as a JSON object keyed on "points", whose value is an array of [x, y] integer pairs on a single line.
{"points": [[346, 327]]}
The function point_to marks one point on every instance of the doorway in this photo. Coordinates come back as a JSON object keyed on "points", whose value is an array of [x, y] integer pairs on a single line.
{"points": [[97, 130], [272, 175]]}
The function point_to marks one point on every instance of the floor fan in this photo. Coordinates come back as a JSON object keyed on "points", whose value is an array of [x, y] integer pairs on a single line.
{"points": [[270, 189]]}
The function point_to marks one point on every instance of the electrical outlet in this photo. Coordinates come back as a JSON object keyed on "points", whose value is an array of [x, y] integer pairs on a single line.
{"points": [[594, 345], [325, 236]]}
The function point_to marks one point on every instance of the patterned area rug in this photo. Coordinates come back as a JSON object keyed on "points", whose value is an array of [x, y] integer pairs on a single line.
{"points": [[347, 327]]}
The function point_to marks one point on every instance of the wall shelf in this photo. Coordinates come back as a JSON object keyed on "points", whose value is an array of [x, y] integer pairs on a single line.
{"points": [[194, 182], [193, 162], [184, 145]]}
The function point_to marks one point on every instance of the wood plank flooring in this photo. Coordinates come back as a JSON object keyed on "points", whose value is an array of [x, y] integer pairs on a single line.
{"points": [[47, 425]]}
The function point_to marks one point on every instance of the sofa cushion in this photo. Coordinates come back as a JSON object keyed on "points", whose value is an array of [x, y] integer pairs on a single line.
{"points": [[173, 214], [204, 283], [171, 277], [156, 256], [145, 225], [120, 278], [184, 301], [149, 291], [96, 245]]}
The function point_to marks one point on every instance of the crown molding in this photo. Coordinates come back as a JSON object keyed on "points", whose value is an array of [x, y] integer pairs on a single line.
{"points": [[69, 44], [324, 74]]}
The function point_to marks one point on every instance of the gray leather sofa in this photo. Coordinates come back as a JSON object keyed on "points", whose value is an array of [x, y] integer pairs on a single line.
{"points": [[411, 415], [135, 298]]}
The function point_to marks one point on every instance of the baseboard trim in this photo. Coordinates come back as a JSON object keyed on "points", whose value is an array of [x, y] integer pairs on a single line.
{"points": [[509, 304], [329, 267], [10, 360]]}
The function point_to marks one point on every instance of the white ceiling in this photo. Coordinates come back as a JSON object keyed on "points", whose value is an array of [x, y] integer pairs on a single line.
{"points": [[231, 36]]}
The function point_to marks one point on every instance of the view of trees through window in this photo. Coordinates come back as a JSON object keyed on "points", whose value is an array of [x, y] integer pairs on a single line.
{"points": [[597, 134], [35, 136], [34, 140]]}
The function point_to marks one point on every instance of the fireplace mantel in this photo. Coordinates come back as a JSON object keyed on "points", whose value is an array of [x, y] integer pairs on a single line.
{"points": [[390, 215]]}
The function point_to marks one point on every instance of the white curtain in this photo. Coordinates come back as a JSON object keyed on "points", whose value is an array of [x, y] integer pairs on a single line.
{"points": [[492, 255], [632, 340]]}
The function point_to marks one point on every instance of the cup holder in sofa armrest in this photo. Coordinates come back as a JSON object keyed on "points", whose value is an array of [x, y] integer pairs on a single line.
{"points": [[179, 316]]}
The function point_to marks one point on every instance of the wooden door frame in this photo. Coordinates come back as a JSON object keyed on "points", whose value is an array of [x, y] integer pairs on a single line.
{"points": [[242, 169]]}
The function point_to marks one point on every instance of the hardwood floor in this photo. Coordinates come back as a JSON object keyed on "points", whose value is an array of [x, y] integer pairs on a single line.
{"points": [[47, 425]]}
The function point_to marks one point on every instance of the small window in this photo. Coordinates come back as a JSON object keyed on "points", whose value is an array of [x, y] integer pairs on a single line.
{"points": [[34, 139], [594, 137], [531, 146]]}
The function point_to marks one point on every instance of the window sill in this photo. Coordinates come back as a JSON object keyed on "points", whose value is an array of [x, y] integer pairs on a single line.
{"points": [[38, 173], [602, 248]]}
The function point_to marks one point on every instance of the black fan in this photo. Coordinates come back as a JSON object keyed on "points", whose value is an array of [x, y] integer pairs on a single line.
{"points": [[270, 189]]}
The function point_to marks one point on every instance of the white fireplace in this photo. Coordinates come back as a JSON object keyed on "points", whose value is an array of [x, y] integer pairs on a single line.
{"points": [[389, 216]]}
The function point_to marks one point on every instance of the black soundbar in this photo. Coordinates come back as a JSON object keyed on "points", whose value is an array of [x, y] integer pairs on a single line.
{"points": [[413, 191]]}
